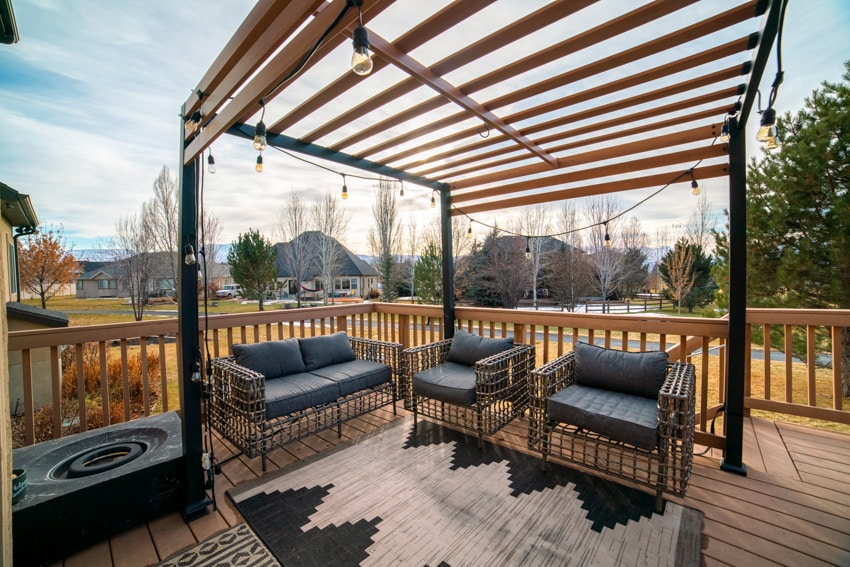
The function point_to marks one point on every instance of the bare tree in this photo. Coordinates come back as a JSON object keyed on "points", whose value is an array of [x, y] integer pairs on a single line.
{"points": [[209, 239], [567, 268], [134, 245], [606, 262], [701, 225], [298, 251], [385, 237], [534, 221], [678, 271], [161, 215], [331, 224]]}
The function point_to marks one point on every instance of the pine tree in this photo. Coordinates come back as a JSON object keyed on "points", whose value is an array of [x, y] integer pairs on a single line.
{"points": [[252, 264], [798, 215], [428, 274]]}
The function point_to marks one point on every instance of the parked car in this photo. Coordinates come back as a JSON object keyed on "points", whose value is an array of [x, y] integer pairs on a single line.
{"points": [[229, 291]]}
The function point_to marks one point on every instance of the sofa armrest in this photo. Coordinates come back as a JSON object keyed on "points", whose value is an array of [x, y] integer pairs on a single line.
{"points": [[417, 359], [515, 363], [545, 381], [378, 351], [676, 409], [237, 391]]}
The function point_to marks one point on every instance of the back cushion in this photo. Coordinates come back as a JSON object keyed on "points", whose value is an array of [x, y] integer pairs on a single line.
{"points": [[635, 373], [272, 359], [326, 350], [468, 349]]}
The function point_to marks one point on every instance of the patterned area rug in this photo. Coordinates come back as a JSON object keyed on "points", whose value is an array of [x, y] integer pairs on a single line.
{"points": [[236, 546], [431, 497]]}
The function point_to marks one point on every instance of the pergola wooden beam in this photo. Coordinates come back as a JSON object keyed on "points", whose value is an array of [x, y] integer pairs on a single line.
{"points": [[692, 135], [570, 45], [450, 92], [444, 173], [446, 18], [658, 180]]}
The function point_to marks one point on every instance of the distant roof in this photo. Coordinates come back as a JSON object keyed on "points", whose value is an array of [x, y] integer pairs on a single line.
{"points": [[351, 265], [16, 206], [23, 312]]}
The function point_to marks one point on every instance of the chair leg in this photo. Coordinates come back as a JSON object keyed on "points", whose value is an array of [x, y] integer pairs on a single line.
{"points": [[263, 458], [415, 413], [659, 501]]}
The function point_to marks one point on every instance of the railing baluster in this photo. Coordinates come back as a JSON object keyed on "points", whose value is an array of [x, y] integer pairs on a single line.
{"points": [[163, 374], [837, 391], [811, 359], [104, 382], [789, 374], [81, 387], [29, 404], [767, 357], [146, 391], [56, 388], [125, 379]]}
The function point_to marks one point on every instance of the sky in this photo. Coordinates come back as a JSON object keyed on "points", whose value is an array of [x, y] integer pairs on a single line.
{"points": [[90, 101]]}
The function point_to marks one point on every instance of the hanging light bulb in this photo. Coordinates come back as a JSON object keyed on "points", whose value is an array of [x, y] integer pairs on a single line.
{"points": [[724, 132], [401, 191], [344, 189], [607, 239], [767, 130], [433, 201], [527, 250], [694, 184], [361, 63], [194, 122], [469, 231], [259, 167], [189, 257], [210, 163], [260, 136]]}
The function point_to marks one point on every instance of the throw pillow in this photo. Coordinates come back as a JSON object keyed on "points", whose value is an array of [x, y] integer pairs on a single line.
{"points": [[272, 359], [468, 349], [635, 373], [326, 350]]}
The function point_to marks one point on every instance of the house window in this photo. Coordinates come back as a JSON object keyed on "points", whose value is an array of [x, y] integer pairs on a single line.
{"points": [[79, 284], [345, 284], [107, 284]]}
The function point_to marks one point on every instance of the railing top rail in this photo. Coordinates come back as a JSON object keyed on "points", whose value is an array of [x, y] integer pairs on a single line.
{"points": [[817, 317]]}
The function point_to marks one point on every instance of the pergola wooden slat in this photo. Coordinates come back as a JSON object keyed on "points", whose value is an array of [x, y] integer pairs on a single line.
{"points": [[569, 89]]}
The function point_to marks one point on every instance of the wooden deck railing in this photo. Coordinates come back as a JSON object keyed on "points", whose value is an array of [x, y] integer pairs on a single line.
{"points": [[698, 340]]}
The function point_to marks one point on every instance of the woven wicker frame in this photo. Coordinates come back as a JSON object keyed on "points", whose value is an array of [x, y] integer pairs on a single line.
{"points": [[237, 403], [501, 388], [666, 469]]}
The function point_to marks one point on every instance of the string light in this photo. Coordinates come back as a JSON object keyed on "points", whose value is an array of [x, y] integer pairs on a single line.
{"points": [[527, 249], [210, 163], [401, 191], [260, 130], [194, 122], [469, 231], [189, 257], [361, 63], [724, 132], [433, 200], [344, 189], [607, 236], [694, 185], [259, 167]]}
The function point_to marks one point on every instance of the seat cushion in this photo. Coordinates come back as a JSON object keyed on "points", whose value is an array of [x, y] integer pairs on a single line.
{"points": [[449, 382], [297, 392], [325, 350], [271, 358], [468, 349], [635, 373], [622, 417], [356, 375]]}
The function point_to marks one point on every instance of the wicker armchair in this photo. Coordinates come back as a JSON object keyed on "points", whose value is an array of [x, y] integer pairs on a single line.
{"points": [[660, 461], [304, 401], [458, 388]]}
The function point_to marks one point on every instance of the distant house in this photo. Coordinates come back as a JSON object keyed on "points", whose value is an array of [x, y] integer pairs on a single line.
{"points": [[105, 279], [354, 276]]}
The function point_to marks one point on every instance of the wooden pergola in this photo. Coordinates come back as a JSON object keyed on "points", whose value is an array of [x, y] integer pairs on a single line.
{"points": [[495, 105]]}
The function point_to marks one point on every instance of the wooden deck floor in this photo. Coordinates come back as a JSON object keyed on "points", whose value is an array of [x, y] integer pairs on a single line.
{"points": [[793, 507]]}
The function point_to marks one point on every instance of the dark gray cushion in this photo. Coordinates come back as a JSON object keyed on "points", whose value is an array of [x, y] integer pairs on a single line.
{"points": [[297, 392], [636, 373], [622, 417], [448, 382], [468, 349], [326, 350], [271, 358], [356, 375]]}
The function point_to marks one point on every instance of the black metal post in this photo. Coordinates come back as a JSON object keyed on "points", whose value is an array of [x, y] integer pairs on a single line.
{"points": [[448, 263], [189, 353], [733, 422]]}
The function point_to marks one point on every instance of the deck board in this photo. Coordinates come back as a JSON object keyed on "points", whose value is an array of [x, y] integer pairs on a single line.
{"points": [[769, 517]]}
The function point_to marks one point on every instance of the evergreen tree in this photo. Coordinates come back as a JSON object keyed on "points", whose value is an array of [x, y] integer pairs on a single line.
{"points": [[428, 274], [252, 264], [798, 215]]}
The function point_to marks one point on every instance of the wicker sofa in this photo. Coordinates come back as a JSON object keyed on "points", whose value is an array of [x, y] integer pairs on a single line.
{"points": [[272, 393], [628, 414], [475, 383]]}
